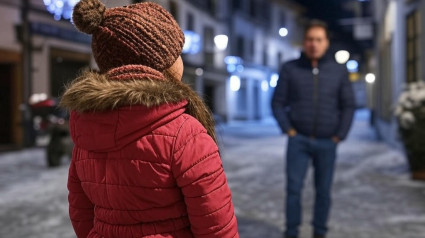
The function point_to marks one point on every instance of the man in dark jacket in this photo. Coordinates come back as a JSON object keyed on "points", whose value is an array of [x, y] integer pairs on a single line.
{"points": [[314, 104]]}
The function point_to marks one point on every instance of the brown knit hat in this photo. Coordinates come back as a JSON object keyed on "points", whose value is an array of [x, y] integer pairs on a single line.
{"points": [[141, 34]]}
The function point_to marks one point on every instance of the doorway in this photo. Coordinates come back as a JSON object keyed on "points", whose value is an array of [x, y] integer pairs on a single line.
{"points": [[6, 80], [257, 100], [65, 67]]}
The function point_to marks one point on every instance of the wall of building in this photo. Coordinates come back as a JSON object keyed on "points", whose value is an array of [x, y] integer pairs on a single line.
{"points": [[256, 91], [391, 42], [255, 74], [9, 17], [42, 45], [212, 75]]}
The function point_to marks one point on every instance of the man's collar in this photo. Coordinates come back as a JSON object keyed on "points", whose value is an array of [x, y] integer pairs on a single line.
{"points": [[307, 60]]}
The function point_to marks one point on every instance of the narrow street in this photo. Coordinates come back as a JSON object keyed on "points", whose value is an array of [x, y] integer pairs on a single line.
{"points": [[373, 194]]}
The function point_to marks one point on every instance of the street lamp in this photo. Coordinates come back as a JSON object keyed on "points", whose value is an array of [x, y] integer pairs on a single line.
{"points": [[342, 56], [221, 42], [353, 66], [273, 80], [370, 78], [235, 83], [264, 86], [199, 72], [283, 32]]}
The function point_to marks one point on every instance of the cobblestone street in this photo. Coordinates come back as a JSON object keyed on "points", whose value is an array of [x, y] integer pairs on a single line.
{"points": [[373, 194]]}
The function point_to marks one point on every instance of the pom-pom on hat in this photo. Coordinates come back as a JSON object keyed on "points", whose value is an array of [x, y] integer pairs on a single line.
{"points": [[139, 34]]}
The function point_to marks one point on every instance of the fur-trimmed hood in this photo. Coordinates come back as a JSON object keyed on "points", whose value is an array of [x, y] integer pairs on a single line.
{"points": [[133, 85], [93, 92]]}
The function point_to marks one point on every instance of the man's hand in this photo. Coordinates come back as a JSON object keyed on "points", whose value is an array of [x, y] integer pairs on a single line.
{"points": [[336, 139], [292, 133]]}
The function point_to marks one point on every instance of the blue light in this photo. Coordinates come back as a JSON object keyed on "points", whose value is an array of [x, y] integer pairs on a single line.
{"points": [[234, 63], [59, 4], [67, 15], [231, 68], [192, 44], [353, 66], [51, 8], [60, 8], [232, 60], [57, 17]]}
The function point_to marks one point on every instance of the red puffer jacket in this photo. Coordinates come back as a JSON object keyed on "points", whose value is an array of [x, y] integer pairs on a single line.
{"points": [[147, 172]]}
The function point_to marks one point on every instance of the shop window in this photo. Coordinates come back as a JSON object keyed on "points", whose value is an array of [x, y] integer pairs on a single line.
{"points": [[190, 22], [6, 99], [64, 67], [209, 46], [385, 83], [413, 55]]}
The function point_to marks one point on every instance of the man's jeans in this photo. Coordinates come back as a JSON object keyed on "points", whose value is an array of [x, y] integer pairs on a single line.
{"points": [[322, 152]]}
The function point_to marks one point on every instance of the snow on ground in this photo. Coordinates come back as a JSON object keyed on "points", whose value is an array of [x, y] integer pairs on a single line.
{"points": [[373, 194]]}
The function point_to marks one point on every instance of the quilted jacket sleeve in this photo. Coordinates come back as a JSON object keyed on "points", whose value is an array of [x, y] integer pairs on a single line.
{"points": [[348, 107], [81, 209], [199, 173], [280, 101]]}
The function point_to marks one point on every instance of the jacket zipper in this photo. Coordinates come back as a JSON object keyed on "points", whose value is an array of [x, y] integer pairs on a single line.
{"points": [[315, 99]]}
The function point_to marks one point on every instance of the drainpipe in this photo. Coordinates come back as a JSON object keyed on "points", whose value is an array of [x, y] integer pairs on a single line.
{"points": [[28, 133]]}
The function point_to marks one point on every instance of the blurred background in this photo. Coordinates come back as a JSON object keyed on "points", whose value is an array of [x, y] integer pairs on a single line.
{"points": [[232, 55]]}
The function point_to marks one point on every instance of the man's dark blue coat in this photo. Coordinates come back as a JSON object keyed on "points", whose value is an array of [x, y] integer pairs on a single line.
{"points": [[315, 102]]}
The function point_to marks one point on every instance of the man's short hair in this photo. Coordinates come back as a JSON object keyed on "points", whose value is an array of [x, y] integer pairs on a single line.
{"points": [[317, 24]]}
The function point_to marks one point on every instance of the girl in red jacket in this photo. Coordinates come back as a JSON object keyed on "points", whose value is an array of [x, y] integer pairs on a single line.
{"points": [[145, 162]]}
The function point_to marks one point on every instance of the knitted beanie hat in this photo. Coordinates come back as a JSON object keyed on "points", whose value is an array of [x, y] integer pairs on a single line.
{"points": [[139, 34]]}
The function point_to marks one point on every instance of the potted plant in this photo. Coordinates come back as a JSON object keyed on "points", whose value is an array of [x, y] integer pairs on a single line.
{"points": [[410, 113]]}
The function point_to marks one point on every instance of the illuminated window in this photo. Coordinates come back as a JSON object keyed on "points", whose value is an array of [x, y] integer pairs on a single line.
{"points": [[413, 42]]}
